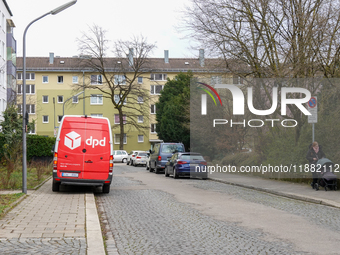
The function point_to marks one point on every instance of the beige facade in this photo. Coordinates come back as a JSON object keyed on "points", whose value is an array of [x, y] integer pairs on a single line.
{"points": [[52, 83]]}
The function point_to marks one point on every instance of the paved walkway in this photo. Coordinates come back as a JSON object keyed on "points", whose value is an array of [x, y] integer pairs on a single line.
{"points": [[300, 191], [47, 222]]}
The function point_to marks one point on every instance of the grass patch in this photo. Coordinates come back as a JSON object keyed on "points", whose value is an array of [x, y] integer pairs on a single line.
{"points": [[37, 172], [6, 200]]}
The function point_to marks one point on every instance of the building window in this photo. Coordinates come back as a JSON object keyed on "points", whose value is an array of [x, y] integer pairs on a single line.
{"points": [[75, 100], [60, 117], [117, 137], [45, 99], [140, 118], [153, 128], [30, 89], [140, 99], [19, 108], [45, 118], [153, 109], [96, 115], [60, 79], [30, 76], [117, 99], [30, 108], [74, 79], [96, 99], [156, 89], [96, 79], [32, 130], [216, 80], [158, 77], [60, 99], [19, 76], [140, 80], [237, 80], [45, 79], [120, 79], [117, 119], [140, 138]]}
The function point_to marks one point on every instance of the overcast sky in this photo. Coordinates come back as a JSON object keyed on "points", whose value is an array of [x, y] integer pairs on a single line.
{"points": [[154, 19]]}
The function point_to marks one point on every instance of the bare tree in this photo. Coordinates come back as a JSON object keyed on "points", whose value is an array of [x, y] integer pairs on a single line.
{"points": [[271, 39], [118, 80]]}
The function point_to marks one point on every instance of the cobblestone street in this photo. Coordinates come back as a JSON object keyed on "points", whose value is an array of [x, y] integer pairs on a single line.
{"points": [[148, 220]]}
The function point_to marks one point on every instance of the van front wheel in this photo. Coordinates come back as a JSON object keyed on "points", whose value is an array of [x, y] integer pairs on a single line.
{"points": [[106, 188], [55, 186]]}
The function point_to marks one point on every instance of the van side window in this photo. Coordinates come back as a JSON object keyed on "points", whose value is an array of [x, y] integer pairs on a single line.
{"points": [[157, 148]]}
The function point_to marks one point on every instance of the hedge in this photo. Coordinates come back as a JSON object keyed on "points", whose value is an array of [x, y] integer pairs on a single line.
{"points": [[37, 146]]}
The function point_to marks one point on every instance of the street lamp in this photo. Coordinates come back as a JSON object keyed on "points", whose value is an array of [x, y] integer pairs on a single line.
{"points": [[24, 152], [69, 99]]}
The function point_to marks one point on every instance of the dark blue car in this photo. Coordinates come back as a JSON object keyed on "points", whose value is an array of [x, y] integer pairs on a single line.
{"points": [[186, 164]]}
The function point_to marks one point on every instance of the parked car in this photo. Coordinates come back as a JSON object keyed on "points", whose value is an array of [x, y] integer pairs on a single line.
{"points": [[161, 153], [186, 164], [131, 156], [140, 158], [83, 153], [120, 156]]}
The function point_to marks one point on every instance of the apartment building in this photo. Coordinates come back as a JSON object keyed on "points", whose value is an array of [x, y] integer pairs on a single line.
{"points": [[7, 58], [54, 88]]}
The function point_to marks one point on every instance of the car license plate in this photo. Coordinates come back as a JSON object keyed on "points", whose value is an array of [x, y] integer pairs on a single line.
{"points": [[69, 174], [142, 161]]}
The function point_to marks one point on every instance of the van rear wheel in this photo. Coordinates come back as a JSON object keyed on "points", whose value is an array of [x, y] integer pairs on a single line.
{"points": [[55, 186], [106, 188]]}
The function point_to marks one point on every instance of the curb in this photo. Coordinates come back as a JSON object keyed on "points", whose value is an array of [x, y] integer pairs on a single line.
{"points": [[94, 238], [281, 194]]}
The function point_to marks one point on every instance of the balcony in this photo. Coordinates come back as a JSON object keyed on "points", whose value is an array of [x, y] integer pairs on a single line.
{"points": [[11, 69], [11, 42]]}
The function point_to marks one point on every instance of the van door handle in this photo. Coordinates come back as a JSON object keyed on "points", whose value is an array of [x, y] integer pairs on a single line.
{"points": [[88, 161]]}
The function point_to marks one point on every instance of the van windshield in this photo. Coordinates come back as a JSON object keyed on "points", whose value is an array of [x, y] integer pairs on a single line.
{"points": [[172, 148]]}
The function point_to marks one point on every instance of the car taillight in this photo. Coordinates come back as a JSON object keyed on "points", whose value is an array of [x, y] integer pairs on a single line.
{"points": [[159, 158], [111, 164], [138, 157], [203, 163], [55, 161], [133, 156], [182, 162]]}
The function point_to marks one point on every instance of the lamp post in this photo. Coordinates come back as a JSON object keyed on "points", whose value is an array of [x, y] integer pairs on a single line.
{"points": [[69, 99], [24, 152]]}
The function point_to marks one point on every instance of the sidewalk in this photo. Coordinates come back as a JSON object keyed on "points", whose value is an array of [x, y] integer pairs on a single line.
{"points": [[297, 191], [46, 222]]}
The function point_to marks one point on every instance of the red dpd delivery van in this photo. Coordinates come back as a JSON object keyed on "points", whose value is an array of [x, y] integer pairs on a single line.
{"points": [[83, 153]]}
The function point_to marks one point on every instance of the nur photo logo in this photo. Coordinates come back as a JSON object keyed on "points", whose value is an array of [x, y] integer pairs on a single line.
{"points": [[204, 97]]}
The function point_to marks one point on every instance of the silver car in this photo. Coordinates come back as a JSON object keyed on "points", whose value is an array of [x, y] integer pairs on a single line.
{"points": [[141, 158], [120, 156], [131, 157]]}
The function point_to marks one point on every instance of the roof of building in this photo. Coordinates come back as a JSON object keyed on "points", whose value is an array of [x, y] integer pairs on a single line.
{"points": [[7, 7], [152, 64]]}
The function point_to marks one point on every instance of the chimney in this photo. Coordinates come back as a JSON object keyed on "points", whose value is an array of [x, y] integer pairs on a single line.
{"points": [[201, 57], [166, 56], [51, 58], [130, 57]]}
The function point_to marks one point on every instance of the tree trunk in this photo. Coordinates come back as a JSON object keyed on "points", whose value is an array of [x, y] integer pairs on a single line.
{"points": [[121, 129]]}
